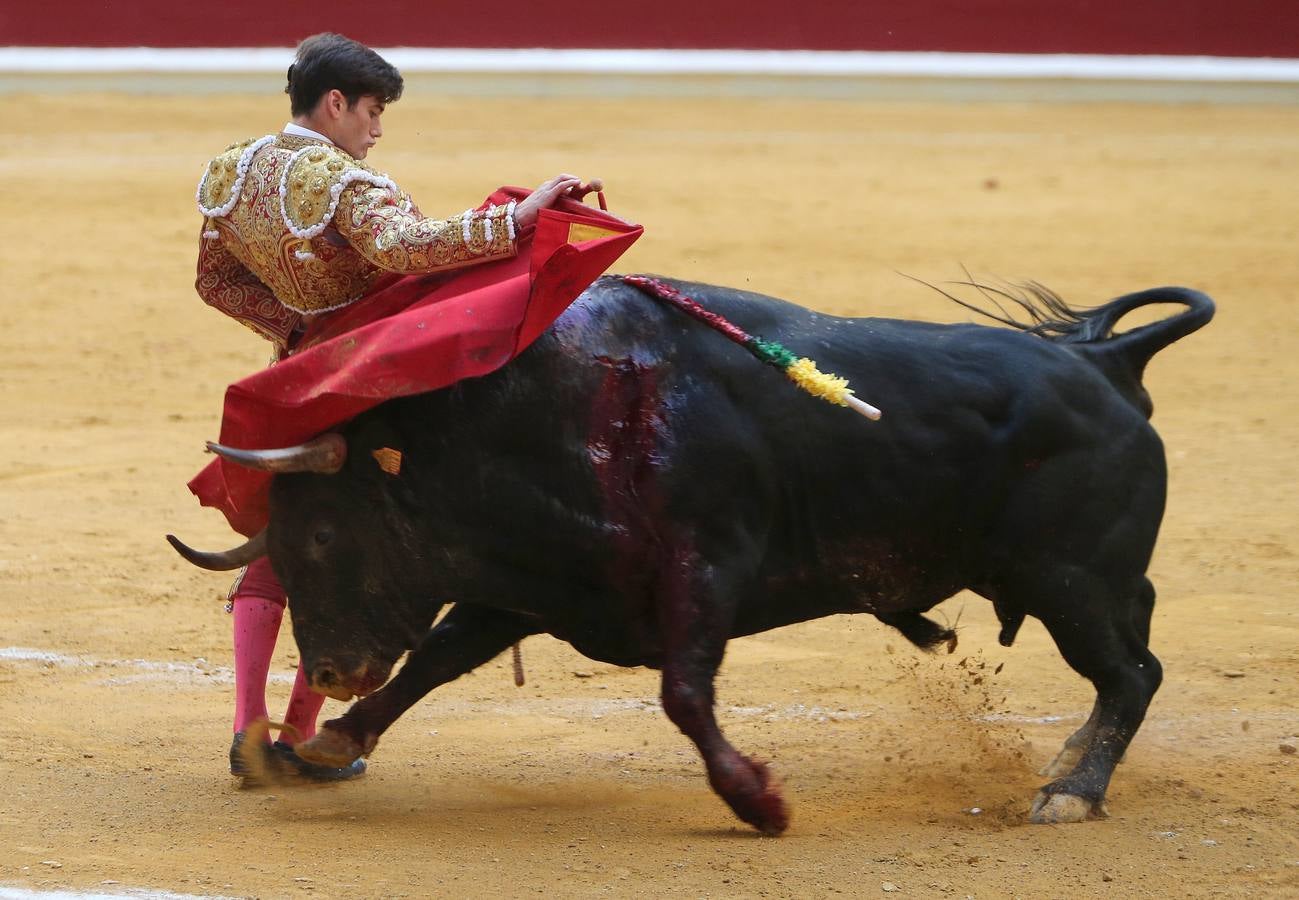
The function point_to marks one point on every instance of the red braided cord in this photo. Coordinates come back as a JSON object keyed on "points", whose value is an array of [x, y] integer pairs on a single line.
{"points": [[656, 288]]}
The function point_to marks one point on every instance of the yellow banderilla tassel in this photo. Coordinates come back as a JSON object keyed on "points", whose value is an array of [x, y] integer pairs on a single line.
{"points": [[828, 386]]}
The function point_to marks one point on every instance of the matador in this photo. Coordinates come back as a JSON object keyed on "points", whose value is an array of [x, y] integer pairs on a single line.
{"points": [[302, 241]]}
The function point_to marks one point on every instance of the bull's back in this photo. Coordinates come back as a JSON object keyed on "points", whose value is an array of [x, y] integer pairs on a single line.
{"points": [[961, 403], [968, 412], [945, 389]]}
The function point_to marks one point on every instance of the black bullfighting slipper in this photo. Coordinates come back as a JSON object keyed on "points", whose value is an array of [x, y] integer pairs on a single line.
{"points": [[278, 763]]}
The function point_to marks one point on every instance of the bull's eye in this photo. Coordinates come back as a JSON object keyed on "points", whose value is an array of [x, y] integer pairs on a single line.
{"points": [[324, 536]]}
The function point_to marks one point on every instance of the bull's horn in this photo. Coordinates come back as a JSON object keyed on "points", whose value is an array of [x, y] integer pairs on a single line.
{"points": [[325, 454], [225, 560]]}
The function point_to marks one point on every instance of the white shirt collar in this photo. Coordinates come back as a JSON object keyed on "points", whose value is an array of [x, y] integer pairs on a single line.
{"points": [[297, 130]]}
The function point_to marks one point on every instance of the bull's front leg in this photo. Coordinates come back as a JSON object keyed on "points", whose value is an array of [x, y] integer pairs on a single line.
{"points": [[465, 639], [697, 608]]}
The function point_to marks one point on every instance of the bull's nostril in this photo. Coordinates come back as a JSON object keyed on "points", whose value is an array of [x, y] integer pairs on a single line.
{"points": [[326, 677]]}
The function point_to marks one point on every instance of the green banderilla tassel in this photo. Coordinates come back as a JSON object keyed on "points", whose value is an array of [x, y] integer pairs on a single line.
{"points": [[771, 353], [804, 373]]}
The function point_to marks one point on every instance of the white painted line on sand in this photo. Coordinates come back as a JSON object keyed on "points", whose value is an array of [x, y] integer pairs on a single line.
{"points": [[674, 62], [200, 671], [18, 893]]}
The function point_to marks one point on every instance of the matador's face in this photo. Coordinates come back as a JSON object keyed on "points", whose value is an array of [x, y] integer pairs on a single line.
{"points": [[358, 128]]}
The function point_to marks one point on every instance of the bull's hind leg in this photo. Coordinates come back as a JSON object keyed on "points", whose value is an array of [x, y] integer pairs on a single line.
{"points": [[697, 606], [1103, 637], [1078, 742]]}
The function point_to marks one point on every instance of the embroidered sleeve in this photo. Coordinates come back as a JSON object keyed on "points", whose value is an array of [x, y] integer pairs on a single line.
{"points": [[386, 228], [225, 283]]}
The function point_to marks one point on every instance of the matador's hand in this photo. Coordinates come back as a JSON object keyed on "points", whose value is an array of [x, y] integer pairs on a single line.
{"points": [[525, 213]]}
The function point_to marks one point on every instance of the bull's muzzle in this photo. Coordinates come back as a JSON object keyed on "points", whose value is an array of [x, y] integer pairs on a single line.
{"points": [[338, 683]]}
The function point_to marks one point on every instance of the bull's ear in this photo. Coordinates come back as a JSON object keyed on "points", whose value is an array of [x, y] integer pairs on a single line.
{"points": [[380, 458], [376, 450], [389, 460]]}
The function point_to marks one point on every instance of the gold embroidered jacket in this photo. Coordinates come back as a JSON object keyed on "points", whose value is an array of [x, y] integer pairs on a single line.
{"points": [[296, 227]]}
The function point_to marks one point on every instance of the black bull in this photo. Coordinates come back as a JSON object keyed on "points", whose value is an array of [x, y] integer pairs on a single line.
{"points": [[637, 486]]}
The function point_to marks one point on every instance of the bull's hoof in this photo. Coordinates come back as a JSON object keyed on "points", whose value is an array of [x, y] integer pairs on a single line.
{"points": [[330, 748], [1058, 809], [754, 795], [772, 816]]}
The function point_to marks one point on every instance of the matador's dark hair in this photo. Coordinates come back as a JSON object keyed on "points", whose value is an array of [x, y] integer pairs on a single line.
{"points": [[329, 61]]}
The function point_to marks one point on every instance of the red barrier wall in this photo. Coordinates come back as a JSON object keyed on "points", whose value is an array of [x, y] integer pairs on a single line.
{"points": [[1186, 27]]}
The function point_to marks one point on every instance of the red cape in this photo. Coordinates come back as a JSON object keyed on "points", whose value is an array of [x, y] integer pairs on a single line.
{"points": [[413, 334]]}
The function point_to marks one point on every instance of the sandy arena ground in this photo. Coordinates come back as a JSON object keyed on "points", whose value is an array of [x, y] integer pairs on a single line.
{"points": [[114, 654]]}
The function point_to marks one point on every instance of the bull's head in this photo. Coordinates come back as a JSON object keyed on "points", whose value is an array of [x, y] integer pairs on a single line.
{"points": [[346, 548]]}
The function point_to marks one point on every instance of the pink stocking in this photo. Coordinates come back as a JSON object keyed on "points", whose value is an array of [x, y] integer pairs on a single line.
{"points": [[258, 606], [304, 706]]}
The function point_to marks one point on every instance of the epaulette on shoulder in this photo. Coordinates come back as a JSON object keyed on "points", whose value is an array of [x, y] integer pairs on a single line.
{"points": [[313, 180], [218, 189]]}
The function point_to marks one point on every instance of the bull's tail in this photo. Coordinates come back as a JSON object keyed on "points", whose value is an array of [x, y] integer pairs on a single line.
{"points": [[1140, 344], [1123, 357]]}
